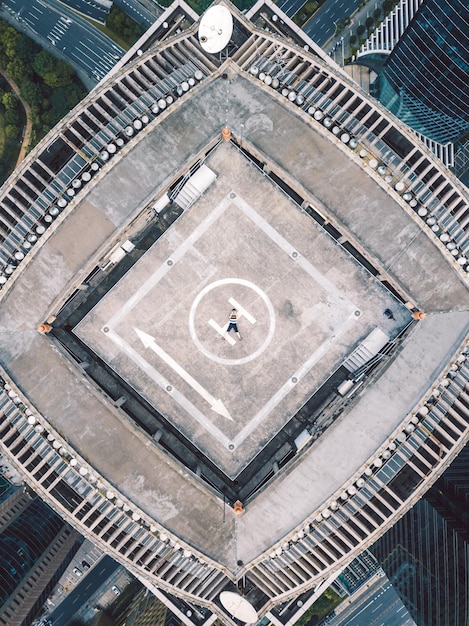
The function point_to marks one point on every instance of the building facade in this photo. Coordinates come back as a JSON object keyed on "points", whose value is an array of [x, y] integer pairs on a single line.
{"points": [[424, 78], [144, 610], [36, 546], [426, 553]]}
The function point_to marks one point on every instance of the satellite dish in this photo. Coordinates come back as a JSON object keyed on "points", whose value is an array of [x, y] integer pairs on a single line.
{"points": [[238, 607], [215, 29]]}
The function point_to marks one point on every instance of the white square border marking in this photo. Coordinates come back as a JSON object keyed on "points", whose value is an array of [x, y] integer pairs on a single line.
{"points": [[335, 294]]}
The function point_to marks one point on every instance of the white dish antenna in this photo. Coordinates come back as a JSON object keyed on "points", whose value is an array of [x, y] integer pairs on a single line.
{"points": [[215, 29], [238, 607]]}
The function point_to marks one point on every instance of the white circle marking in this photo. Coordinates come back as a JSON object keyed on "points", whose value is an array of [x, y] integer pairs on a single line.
{"points": [[244, 283]]}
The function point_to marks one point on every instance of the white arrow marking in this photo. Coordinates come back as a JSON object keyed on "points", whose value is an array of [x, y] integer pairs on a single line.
{"points": [[216, 405]]}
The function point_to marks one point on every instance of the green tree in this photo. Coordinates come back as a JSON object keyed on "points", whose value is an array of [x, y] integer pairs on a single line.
{"points": [[35, 116], [60, 76], [45, 90], [200, 5], [243, 4], [9, 41], [369, 22], [58, 107], [12, 116], [360, 30], [11, 131], [31, 92], [18, 70], [48, 85], [44, 63], [123, 25], [27, 50], [9, 100], [74, 94], [3, 27]]}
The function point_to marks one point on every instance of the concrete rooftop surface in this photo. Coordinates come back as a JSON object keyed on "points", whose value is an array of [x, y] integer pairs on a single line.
{"points": [[306, 304], [313, 305], [312, 247]]}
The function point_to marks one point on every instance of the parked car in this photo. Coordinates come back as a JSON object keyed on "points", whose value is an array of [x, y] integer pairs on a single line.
{"points": [[85, 565], [77, 571], [115, 590]]}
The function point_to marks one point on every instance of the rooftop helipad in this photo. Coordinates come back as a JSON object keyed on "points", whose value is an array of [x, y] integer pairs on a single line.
{"points": [[303, 303]]}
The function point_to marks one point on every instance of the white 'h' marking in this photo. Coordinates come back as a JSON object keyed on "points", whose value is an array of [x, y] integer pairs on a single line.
{"points": [[242, 312], [222, 331]]}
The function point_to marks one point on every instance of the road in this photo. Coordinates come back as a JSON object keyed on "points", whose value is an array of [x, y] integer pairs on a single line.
{"points": [[85, 46], [90, 8], [290, 7], [136, 11], [380, 606], [323, 24], [80, 595]]}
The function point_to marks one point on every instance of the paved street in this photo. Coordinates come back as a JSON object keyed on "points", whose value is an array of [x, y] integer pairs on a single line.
{"points": [[378, 606], [138, 12], [81, 594], [322, 26], [91, 8], [85, 46], [290, 7]]}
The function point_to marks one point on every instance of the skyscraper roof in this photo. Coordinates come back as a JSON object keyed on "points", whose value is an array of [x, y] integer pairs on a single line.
{"points": [[187, 184]]}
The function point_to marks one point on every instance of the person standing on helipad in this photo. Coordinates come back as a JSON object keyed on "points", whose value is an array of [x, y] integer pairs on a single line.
{"points": [[233, 323]]}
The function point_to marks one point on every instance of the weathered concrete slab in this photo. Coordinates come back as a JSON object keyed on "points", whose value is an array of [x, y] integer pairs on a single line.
{"points": [[341, 185], [303, 304]]}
